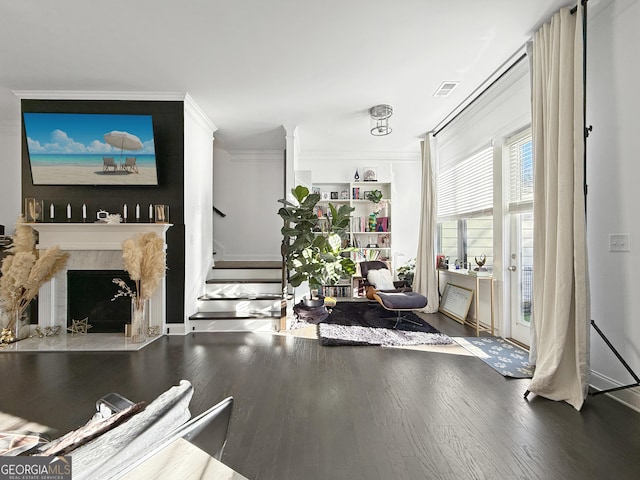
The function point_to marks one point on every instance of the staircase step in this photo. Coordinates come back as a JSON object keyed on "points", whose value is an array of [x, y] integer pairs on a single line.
{"points": [[230, 264], [233, 315], [217, 281], [258, 296]]}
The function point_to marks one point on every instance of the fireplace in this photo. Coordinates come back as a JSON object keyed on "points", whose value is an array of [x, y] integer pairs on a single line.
{"points": [[90, 294], [93, 247]]}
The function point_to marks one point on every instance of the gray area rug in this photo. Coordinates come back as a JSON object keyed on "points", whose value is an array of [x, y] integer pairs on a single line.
{"points": [[337, 335], [504, 357]]}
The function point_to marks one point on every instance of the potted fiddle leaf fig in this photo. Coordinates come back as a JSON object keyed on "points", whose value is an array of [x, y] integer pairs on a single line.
{"points": [[312, 254]]}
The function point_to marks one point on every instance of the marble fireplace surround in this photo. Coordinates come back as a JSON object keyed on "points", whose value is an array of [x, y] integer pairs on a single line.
{"points": [[92, 246]]}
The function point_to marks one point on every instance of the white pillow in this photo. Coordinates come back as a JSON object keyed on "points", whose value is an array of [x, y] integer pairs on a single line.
{"points": [[381, 279]]}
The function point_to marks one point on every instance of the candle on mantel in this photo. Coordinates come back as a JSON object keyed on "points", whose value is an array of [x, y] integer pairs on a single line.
{"points": [[137, 211], [124, 211], [68, 211], [52, 212], [150, 212], [84, 212]]}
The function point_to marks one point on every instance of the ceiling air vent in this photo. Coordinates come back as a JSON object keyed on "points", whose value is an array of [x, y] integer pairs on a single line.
{"points": [[445, 89]]}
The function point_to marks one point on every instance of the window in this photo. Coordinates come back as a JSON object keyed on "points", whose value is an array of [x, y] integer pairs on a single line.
{"points": [[465, 207], [520, 172]]}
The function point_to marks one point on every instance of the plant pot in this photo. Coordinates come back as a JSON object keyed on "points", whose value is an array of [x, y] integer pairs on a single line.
{"points": [[313, 302]]}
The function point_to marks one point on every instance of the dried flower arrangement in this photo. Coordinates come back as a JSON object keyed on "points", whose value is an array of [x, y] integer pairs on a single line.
{"points": [[145, 261], [25, 270]]}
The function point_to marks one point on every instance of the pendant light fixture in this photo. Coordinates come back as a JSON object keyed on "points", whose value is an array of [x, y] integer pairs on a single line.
{"points": [[380, 120]]}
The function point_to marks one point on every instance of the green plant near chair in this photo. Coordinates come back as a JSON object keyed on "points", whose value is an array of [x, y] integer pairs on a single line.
{"points": [[316, 257], [407, 271]]}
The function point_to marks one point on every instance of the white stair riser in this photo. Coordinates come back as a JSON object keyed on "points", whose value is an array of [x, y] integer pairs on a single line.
{"points": [[248, 325], [242, 274], [242, 289], [239, 306]]}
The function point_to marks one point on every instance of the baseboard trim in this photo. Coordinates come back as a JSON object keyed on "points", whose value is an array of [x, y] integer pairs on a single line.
{"points": [[176, 329], [629, 397]]}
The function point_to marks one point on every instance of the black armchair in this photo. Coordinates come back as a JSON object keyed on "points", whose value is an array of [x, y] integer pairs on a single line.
{"points": [[371, 287]]}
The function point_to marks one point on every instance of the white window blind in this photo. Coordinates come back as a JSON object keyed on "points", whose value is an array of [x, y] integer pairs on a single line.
{"points": [[465, 189], [520, 148]]}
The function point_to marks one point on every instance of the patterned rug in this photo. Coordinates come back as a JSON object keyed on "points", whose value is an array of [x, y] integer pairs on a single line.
{"points": [[367, 323], [504, 357]]}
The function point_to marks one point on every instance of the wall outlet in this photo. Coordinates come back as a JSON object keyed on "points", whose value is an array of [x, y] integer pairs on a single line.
{"points": [[619, 242]]}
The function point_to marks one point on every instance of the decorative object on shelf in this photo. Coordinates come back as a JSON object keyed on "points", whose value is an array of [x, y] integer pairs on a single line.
{"points": [[150, 213], [114, 219], [24, 270], [334, 195], [6, 337], [310, 256], [154, 331], [145, 260], [344, 195], [162, 213], [48, 331], [137, 212], [380, 120], [33, 210], [372, 223], [68, 212], [84, 212], [52, 212], [325, 196], [125, 213], [375, 197], [370, 174], [102, 215], [356, 177], [480, 263], [79, 327]]}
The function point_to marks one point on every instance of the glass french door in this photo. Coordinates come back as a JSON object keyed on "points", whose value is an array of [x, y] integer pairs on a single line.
{"points": [[520, 275]]}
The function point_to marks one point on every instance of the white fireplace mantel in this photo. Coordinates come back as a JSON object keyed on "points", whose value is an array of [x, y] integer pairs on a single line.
{"points": [[91, 246], [92, 236]]}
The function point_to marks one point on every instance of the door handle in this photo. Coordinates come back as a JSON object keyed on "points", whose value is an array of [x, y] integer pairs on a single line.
{"points": [[513, 268]]}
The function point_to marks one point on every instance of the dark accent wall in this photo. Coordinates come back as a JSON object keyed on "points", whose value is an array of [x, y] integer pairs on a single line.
{"points": [[168, 127]]}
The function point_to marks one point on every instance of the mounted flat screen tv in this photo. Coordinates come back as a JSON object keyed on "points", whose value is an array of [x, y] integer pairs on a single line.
{"points": [[90, 149]]}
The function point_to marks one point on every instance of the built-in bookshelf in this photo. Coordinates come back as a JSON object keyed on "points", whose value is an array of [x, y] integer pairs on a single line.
{"points": [[369, 236]]}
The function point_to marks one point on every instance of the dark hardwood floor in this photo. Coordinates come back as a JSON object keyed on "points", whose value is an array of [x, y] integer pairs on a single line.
{"points": [[303, 411]]}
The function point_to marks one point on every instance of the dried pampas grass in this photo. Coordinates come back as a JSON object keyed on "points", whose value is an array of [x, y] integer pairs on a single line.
{"points": [[26, 269], [145, 261]]}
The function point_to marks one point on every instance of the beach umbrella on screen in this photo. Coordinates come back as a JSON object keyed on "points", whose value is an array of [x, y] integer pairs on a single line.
{"points": [[123, 141]]}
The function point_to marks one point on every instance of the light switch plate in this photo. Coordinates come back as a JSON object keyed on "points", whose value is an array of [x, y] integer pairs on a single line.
{"points": [[619, 242]]}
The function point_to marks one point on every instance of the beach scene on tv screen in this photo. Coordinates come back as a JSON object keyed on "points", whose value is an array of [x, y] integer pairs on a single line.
{"points": [[90, 149]]}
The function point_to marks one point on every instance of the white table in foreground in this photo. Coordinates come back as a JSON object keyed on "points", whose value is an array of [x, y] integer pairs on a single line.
{"points": [[182, 460]]}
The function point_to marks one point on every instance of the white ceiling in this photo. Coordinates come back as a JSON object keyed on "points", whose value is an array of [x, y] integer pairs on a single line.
{"points": [[255, 65]]}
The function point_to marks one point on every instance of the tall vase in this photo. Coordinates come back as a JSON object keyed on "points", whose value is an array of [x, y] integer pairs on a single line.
{"points": [[139, 321], [372, 222]]}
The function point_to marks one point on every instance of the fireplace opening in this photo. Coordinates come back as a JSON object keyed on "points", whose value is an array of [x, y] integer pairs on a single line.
{"points": [[89, 295]]}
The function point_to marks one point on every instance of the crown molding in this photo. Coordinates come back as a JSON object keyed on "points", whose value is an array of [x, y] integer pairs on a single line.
{"points": [[192, 109], [396, 157], [99, 95]]}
